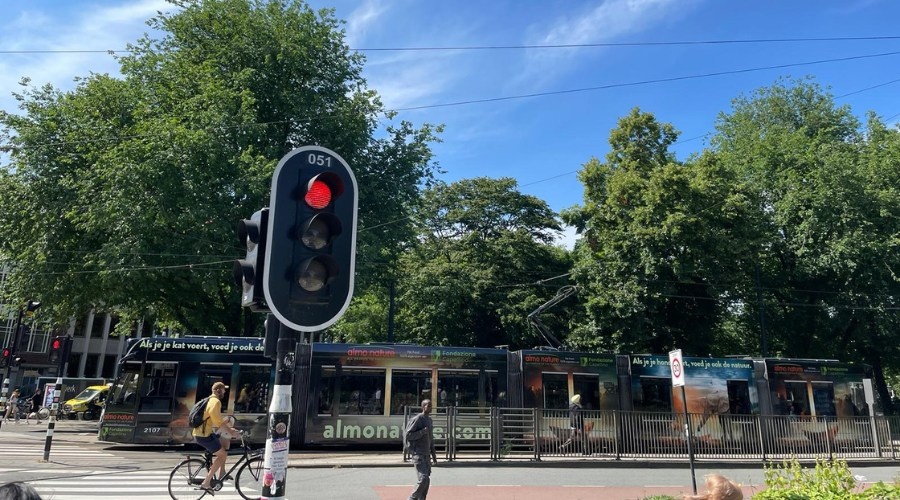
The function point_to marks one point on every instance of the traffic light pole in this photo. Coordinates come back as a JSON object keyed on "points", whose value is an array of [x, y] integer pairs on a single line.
{"points": [[54, 408], [12, 356], [279, 428]]}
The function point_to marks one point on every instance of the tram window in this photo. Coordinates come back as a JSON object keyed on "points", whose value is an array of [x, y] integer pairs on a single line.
{"points": [[326, 386], [157, 386], [823, 399], [124, 391], [458, 388], [253, 395], [738, 397], [409, 388], [556, 391], [589, 388], [655, 395], [797, 398], [358, 388]]}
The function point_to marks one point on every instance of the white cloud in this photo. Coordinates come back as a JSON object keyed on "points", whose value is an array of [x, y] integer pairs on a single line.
{"points": [[409, 80], [85, 28], [609, 21], [359, 21]]}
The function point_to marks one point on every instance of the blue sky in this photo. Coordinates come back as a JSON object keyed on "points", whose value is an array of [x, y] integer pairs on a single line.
{"points": [[541, 141]]}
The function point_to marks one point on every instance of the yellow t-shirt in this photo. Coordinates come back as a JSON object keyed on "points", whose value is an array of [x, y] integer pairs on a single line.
{"points": [[212, 417]]}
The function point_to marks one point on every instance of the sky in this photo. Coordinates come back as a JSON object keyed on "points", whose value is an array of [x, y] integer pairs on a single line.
{"points": [[531, 89]]}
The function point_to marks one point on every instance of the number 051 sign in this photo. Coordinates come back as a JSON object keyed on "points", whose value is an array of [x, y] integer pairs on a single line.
{"points": [[677, 365]]}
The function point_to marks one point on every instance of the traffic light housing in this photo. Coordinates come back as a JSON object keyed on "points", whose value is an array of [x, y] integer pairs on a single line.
{"points": [[57, 346], [248, 272], [5, 357], [311, 255]]}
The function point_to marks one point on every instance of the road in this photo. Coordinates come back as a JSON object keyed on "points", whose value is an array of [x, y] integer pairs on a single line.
{"points": [[82, 469]]}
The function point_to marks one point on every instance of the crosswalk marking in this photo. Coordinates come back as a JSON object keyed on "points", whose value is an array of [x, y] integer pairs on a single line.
{"points": [[37, 450], [94, 484]]}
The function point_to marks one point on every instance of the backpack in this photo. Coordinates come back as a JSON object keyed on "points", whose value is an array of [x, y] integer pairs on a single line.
{"points": [[195, 417]]}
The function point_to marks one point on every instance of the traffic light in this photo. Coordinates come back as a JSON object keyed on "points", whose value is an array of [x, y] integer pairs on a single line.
{"points": [[5, 356], [248, 272], [311, 255], [57, 345]]}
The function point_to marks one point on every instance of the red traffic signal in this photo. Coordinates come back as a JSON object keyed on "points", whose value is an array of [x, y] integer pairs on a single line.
{"points": [[4, 357], [318, 195], [59, 347], [311, 255]]}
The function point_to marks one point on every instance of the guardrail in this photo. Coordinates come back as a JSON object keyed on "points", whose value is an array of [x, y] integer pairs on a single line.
{"points": [[534, 434]]}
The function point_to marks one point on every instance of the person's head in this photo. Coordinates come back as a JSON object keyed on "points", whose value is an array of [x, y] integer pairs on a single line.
{"points": [[218, 389], [719, 487], [18, 491], [426, 406], [576, 399]]}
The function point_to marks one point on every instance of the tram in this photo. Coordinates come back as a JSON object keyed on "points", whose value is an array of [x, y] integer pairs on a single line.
{"points": [[356, 394]]}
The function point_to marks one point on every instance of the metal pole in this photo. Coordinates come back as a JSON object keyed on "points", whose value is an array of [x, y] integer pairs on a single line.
{"points": [[54, 408], [279, 428], [763, 340], [12, 357], [687, 434], [391, 314]]}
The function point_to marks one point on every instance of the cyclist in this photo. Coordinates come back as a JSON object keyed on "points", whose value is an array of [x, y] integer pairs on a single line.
{"points": [[212, 441]]}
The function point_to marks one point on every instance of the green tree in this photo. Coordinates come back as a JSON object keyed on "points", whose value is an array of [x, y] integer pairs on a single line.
{"points": [[129, 190], [825, 192], [661, 238], [477, 270]]}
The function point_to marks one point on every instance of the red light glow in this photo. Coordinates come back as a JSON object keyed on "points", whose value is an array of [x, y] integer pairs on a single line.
{"points": [[318, 195], [56, 344]]}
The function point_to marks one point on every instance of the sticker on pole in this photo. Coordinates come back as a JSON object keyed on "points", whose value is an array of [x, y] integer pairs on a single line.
{"points": [[675, 362]]}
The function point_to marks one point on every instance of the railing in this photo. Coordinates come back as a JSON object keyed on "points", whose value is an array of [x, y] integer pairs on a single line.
{"points": [[536, 434]]}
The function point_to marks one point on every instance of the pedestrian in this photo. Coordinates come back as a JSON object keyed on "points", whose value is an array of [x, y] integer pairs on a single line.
{"points": [[420, 444], [212, 441], [12, 406], [243, 402], [36, 400], [17, 490], [576, 424], [719, 487]]}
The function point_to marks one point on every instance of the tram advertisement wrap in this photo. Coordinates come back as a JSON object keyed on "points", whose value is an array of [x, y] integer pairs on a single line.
{"points": [[718, 392], [380, 429], [547, 377]]}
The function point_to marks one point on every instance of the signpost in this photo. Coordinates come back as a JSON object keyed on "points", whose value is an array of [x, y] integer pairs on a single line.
{"points": [[676, 363]]}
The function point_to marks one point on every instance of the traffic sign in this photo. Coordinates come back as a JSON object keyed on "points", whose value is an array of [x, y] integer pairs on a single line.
{"points": [[677, 365]]}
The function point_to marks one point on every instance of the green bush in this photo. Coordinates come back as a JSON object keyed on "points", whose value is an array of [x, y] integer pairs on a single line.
{"points": [[829, 480]]}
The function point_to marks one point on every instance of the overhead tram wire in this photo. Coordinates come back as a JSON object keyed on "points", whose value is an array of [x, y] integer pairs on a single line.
{"points": [[10, 147], [662, 43], [647, 82]]}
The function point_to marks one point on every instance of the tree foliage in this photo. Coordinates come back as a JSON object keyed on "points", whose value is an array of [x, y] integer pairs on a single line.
{"points": [[128, 190], [827, 194], [474, 275], [660, 238]]}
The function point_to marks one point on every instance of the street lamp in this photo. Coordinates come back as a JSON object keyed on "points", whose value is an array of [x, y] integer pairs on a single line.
{"points": [[30, 307]]}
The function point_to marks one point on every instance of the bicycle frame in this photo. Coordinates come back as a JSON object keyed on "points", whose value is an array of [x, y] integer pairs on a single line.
{"points": [[245, 472], [246, 455]]}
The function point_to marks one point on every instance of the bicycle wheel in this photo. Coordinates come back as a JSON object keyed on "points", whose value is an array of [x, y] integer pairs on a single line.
{"points": [[185, 478], [249, 480]]}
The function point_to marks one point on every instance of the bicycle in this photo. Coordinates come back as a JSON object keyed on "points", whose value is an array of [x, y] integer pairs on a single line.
{"points": [[187, 476]]}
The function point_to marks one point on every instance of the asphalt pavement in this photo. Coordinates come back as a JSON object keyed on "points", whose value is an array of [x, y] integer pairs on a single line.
{"points": [[75, 445]]}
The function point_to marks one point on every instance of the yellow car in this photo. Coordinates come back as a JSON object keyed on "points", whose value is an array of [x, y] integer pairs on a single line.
{"points": [[89, 402]]}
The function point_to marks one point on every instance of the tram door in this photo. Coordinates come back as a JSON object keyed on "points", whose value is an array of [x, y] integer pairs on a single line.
{"points": [[210, 375]]}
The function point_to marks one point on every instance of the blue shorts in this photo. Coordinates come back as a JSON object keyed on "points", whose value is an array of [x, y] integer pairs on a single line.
{"points": [[211, 442]]}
